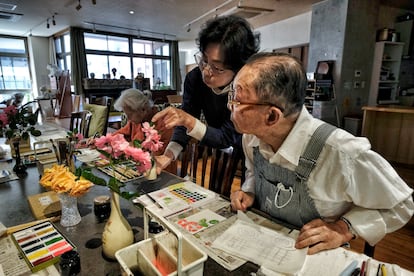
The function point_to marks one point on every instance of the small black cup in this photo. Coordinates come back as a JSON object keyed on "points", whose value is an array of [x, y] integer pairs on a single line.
{"points": [[70, 263], [102, 207]]}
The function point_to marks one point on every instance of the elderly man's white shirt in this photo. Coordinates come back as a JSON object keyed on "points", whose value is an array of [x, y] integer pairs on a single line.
{"points": [[349, 179]]}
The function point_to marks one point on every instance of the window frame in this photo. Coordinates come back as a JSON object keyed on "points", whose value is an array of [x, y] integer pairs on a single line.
{"points": [[8, 91]]}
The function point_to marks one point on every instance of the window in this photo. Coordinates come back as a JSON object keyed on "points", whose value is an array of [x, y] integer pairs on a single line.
{"points": [[14, 64], [129, 56], [62, 45]]}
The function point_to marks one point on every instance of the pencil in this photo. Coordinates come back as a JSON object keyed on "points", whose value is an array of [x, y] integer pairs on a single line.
{"points": [[383, 270]]}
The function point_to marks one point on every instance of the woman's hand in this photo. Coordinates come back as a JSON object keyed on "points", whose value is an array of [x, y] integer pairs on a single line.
{"points": [[172, 117], [241, 200], [319, 235]]}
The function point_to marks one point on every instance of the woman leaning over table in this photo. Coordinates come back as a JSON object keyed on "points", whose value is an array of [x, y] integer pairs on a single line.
{"points": [[138, 107], [225, 43]]}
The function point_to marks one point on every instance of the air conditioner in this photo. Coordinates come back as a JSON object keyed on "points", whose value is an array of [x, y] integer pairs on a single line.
{"points": [[9, 16], [246, 12]]}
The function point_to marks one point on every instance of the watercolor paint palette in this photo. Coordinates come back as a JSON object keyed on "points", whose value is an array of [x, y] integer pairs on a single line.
{"points": [[41, 245], [181, 196]]}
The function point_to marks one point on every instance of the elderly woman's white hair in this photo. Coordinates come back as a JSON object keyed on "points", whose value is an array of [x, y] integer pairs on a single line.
{"points": [[135, 99]]}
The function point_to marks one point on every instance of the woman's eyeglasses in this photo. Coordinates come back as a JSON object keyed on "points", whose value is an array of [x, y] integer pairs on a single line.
{"points": [[232, 102], [203, 64]]}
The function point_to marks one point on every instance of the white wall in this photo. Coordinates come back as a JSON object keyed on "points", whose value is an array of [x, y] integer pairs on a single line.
{"points": [[39, 53], [290, 32]]}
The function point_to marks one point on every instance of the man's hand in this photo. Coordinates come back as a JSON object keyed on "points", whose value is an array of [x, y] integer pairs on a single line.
{"points": [[241, 200], [172, 117], [319, 235]]}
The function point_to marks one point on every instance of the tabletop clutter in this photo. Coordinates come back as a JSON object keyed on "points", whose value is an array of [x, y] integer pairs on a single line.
{"points": [[184, 224]]}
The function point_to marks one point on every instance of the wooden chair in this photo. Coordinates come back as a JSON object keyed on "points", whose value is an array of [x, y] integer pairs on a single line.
{"points": [[222, 164], [100, 110], [175, 99], [80, 121]]}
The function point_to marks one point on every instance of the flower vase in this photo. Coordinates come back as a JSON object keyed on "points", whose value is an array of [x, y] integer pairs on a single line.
{"points": [[117, 233], [152, 173], [19, 167], [70, 213]]}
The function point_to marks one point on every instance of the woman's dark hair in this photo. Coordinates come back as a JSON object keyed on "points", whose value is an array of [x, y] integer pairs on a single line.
{"points": [[235, 36]]}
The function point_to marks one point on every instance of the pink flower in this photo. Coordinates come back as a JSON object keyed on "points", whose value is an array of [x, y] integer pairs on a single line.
{"points": [[10, 110], [152, 138], [3, 119], [118, 148], [143, 158]]}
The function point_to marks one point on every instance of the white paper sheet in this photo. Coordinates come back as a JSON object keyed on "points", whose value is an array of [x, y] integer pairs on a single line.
{"points": [[262, 246]]}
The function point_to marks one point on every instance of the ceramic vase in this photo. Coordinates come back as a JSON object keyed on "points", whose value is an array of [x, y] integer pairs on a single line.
{"points": [[152, 173], [70, 213], [117, 233]]}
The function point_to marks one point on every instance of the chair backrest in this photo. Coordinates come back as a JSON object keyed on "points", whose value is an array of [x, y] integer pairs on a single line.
{"points": [[80, 121], [220, 165], [99, 121], [177, 99]]}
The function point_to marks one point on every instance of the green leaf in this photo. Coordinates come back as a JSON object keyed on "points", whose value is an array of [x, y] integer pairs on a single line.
{"points": [[36, 132], [93, 178], [25, 135]]}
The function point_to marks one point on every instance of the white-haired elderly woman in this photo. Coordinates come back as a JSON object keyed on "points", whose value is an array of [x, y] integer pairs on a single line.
{"points": [[138, 108]]}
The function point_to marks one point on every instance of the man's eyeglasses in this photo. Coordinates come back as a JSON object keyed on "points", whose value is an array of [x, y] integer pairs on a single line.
{"points": [[203, 64], [233, 102]]}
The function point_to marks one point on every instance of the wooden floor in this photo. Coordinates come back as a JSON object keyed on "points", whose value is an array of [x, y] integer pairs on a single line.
{"points": [[397, 247]]}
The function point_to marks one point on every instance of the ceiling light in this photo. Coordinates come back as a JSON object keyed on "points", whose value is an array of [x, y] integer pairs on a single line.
{"points": [[47, 23], [131, 12], [94, 2], [79, 6], [189, 28], [53, 20]]}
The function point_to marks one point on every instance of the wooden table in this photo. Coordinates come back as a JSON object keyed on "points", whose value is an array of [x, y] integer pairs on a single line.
{"points": [[390, 130], [15, 210]]}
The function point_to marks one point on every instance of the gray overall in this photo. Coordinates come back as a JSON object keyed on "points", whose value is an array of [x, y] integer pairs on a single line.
{"points": [[283, 193]]}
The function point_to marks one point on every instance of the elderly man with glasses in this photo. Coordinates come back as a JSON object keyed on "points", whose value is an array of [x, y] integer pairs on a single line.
{"points": [[225, 43], [304, 172]]}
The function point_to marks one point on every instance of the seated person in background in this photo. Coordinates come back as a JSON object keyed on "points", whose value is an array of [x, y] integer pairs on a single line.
{"points": [[302, 171], [225, 43], [139, 108]]}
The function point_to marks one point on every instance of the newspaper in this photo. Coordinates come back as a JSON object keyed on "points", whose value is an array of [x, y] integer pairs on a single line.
{"points": [[206, 237], [10, 259], [262, 246]]}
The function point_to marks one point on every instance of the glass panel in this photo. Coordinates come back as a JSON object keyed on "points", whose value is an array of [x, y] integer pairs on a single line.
{"points": [[118, 44], [162, 75], [122, 66], [143, 65], [95, 42], [15, 73], [68, 63], [58, 45], [97, 64], [66, 43], [147, 47], [12, 45]]}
